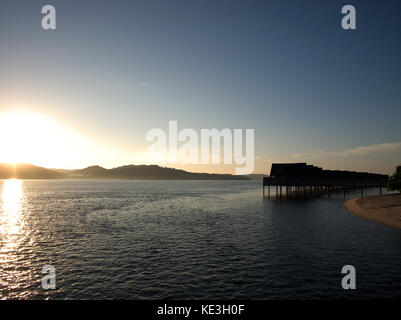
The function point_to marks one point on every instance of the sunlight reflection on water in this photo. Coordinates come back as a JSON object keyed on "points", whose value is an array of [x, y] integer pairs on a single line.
{"points": [[11, 224], [13, 234]]}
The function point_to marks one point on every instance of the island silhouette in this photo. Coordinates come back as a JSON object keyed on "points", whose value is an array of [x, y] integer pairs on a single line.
{"points": [[129, 172]]}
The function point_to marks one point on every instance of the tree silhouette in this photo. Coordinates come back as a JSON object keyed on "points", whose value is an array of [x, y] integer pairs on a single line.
{"points": [[394, 183]]}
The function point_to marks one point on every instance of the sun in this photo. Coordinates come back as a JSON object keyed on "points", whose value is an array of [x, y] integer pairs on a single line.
{"points": [[29, 137], [37, 139], [23, 134], [12, 131]]}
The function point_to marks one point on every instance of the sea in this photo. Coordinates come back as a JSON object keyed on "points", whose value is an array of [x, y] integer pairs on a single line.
{"points": [[136, 240]]}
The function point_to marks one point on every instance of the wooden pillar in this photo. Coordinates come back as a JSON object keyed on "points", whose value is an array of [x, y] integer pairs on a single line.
{"points": [[380, 190], [268, 191]]}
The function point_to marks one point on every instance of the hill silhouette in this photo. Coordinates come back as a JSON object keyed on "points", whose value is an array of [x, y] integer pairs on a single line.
{"points": [[130, 172], [148, 172], [28, 171]]}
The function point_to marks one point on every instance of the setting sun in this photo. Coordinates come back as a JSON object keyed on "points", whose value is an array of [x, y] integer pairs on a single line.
{"points": [[28, 137], [20, 131], [33, 138]]}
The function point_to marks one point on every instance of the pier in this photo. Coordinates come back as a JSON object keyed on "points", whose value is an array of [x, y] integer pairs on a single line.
{"points": [[296, 180]]}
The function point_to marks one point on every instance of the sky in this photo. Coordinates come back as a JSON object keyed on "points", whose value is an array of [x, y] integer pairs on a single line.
{"points": [[88, 92]]}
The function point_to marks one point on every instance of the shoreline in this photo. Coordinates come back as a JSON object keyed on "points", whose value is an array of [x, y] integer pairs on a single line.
{"points": [[384, 209]]}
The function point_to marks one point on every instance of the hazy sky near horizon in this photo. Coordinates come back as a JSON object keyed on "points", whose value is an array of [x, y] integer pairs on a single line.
{"points": [[112, 70]]}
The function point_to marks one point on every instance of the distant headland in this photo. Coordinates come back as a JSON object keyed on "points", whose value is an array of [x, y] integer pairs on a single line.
{"points": [[129, 172]]}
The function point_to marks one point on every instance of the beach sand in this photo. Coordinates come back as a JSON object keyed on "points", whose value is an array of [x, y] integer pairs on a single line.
{"points": [[385, 209]]}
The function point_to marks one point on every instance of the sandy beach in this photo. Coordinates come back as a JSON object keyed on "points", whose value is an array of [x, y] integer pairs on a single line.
{"points": [[384, 209]]}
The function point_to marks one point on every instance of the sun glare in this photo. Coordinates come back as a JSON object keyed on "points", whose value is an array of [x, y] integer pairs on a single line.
{"points": [[14, 129], [32, 138]]}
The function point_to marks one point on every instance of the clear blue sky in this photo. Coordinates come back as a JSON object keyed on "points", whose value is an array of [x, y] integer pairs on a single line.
{"points": [[311, 90]]}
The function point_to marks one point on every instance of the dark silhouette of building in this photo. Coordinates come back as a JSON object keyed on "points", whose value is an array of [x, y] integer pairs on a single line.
{"points": [[301, 178]]}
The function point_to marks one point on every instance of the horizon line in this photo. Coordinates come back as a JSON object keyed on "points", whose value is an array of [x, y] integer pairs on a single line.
{"points": [[126, 165]]}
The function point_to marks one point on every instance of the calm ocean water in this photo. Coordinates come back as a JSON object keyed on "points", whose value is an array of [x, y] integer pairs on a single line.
{"points": [[187, 240]]}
